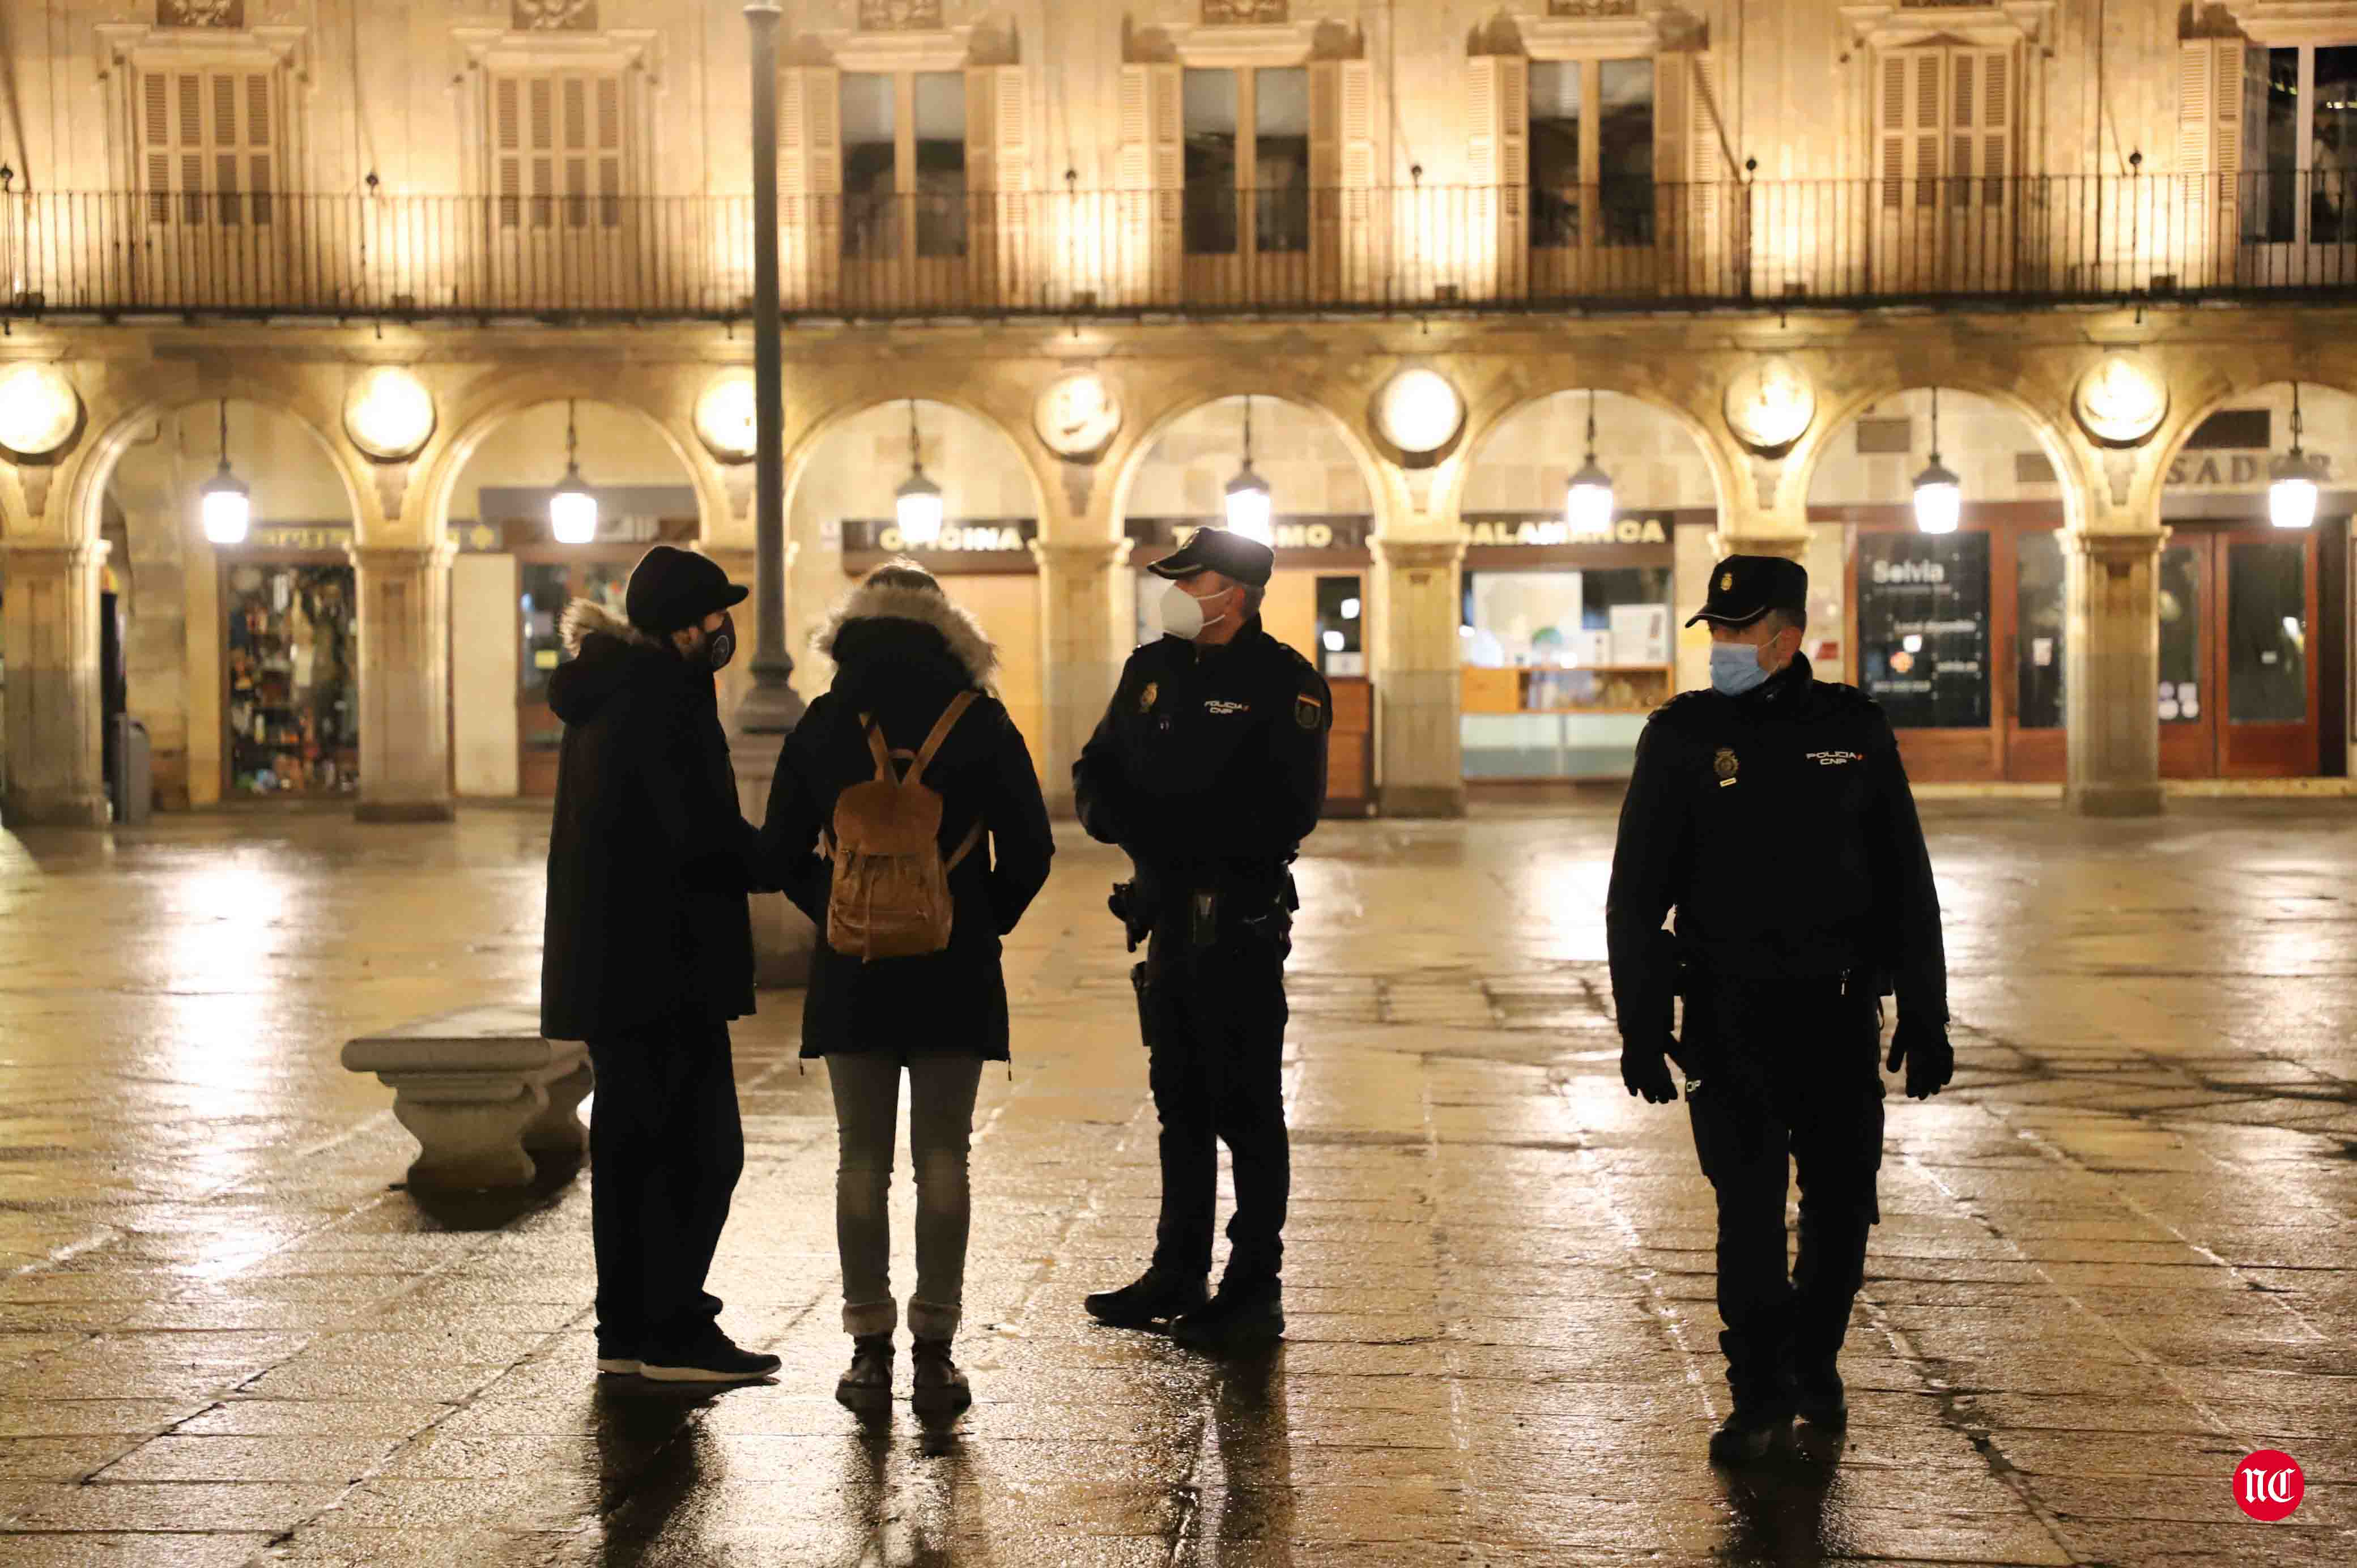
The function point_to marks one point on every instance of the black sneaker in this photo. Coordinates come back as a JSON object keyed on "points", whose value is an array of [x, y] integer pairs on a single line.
{"points": [[1151, 1298], [1237, 1320], [1746, 1436], [713, 1358], [868, 1385], [616, 1357], [1819, 1398], [940, 1389]]}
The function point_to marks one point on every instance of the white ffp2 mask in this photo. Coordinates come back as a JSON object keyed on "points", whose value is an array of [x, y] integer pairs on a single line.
{"points": [[1182, 614]]}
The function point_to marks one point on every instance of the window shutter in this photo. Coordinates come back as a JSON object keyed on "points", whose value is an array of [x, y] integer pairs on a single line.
{"points": [[507, 149], [1498, 162], [609, 151], [1359, 175], [157, 103], [573, 146], [1326, 174], [1706, 165], [810, 181], [540, 133], [2210, 152], [1150, 176], [1008, 193], [260, 141]]}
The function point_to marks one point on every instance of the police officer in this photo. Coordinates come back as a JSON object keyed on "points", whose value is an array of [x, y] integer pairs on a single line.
{"points": [[1771, 814], [1209, 769]]}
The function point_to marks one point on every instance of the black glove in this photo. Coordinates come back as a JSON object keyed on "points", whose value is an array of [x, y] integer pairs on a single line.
{"points": [[1645, 1069], [1930, 1060]]}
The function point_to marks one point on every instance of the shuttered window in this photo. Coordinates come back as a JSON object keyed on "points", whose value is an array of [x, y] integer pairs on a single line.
{"points": [[558, 145], [1945, 129], [208, 146]]}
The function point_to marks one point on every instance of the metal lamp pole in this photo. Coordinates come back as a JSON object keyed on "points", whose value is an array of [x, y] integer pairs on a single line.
{"points": [[770, 707]]}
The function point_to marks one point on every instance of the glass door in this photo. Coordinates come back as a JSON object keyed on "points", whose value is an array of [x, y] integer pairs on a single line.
{"points": [[548, 587], [2238, 616], [2036, 751], [1926, 638]]}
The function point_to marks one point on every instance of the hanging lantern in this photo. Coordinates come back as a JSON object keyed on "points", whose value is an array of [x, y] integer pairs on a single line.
{"points": [[223, 502], [2292, 479], [573, 506], [1251, 508], [1588, 504], [917, 505], [1939, 494]]}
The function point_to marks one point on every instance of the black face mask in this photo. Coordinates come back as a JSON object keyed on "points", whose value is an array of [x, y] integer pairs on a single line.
{"points": [[722, 646]]}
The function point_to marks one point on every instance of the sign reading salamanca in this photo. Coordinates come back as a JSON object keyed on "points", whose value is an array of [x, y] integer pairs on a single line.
{"points": [[1536, 532]]}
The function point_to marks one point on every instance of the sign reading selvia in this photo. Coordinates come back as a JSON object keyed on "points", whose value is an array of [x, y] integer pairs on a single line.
{"points": [[1541, 530]]}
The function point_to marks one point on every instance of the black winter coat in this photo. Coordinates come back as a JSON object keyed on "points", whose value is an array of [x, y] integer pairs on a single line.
{"points": [[649, 858], [1780, 827], [902, 654]]}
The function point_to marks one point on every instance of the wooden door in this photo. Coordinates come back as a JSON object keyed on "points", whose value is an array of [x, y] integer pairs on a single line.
{"points": [[2240, 654]]}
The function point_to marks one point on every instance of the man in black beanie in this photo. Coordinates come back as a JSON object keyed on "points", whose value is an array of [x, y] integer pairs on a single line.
{"points": [[649, 953]]}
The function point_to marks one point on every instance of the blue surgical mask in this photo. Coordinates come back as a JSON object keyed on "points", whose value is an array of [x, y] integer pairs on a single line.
{"points": [[1735, 668]]}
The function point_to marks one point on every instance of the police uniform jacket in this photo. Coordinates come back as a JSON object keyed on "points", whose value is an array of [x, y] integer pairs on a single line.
{"points": [[1779, 826], [1210, 765]]}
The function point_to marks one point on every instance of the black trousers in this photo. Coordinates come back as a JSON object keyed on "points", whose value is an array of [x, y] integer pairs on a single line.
{"points": [[665, 1150], [1785, 1076], [1214, 1020]]}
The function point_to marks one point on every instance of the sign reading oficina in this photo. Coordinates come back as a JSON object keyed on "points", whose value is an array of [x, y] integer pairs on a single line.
{"points": [[1004, 536], [1537, 531]]}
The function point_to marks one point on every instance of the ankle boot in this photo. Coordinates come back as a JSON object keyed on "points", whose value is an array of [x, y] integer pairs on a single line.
{"points": [[868, 1385], [941, 1388]]}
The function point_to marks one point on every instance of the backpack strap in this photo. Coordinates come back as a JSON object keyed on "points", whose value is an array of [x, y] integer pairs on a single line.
{"points": [[972, 838], [875, 745], [947, 722]]}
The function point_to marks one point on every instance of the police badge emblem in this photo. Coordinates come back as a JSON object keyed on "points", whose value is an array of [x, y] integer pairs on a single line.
{"points": [[1726, 581], [1725, 766], [1146, 698]]}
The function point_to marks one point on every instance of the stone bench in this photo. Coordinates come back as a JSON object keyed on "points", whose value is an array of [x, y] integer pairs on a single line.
{"points": [[481, 1091]]}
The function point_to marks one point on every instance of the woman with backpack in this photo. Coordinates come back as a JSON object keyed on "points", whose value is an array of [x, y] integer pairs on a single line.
{"points": [[906, 820]]}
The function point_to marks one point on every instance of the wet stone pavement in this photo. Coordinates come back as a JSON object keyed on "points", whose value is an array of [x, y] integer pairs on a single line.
{"points": [[2116, 1257]]}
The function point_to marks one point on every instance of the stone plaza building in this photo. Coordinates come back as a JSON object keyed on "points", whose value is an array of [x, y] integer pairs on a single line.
{"points": [[399, 269]]}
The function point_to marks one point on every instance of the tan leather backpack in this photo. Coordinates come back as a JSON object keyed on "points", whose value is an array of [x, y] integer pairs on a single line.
{"points": [[891, 892]]}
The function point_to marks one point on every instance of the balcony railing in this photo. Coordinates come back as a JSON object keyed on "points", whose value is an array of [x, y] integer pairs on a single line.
{"points": [[1625, 246]]}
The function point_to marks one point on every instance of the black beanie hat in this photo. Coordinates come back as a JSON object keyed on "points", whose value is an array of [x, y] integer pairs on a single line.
{"points": [[672, 589]]}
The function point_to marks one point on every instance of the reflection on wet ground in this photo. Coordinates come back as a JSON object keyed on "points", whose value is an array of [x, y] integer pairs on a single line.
{"points": [[2115, 1260]]}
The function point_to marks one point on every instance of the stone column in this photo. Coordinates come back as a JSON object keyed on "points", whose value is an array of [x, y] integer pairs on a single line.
{"points": [[55, 777], [1418, 688], [405, 673], [2113, 669], [1085, 647]]}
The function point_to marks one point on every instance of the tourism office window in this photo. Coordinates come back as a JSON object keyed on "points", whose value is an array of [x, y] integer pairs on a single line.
{"points": [[904, 165], [1591, 153], [1247, 153]]}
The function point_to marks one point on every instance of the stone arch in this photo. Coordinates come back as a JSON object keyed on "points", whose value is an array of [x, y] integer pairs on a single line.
{"points": [[1131, 451], [812, 436], [1503, 410], [2054, 437], [482, 407], [2219, 389], [94, 465]]}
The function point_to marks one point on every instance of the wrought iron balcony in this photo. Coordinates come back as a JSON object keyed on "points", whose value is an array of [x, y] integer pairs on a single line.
{"points": [[1634, 246]]}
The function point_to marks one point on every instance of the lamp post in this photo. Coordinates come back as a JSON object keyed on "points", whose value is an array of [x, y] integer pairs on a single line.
{"points": [[572, 506], [2291, 487], [225, 503], [917, 505], [770, 707], [1587, 503], [1939, 494], [1250, 507]]}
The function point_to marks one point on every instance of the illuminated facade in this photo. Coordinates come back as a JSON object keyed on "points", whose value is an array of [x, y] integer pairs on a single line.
{"points": [[1741, 244]]}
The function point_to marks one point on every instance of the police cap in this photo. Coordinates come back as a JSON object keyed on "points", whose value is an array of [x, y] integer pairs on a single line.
{"points": [[1231, 555], [1744, 587]]}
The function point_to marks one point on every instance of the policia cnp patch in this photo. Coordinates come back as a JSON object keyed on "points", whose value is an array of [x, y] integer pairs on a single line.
{"points": [[1308, 712]]}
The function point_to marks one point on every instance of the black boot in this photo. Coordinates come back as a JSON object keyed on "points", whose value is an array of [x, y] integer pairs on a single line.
{"points": [[1153, 1297], [940, 1389], [1762, 1385], [868, 1384], [1240, 1319], [1818, 1396]]}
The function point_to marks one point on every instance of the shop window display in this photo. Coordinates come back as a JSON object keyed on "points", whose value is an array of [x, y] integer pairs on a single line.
{"points": [[292, 704], [1923, 628], [1562, 668]]}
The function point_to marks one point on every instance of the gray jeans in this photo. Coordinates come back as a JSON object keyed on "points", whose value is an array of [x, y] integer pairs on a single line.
{"points": [[942, 1091]]}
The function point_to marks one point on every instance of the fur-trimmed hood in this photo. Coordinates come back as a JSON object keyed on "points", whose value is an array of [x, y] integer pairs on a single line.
{"points": [[967, 643], [585, 617]]}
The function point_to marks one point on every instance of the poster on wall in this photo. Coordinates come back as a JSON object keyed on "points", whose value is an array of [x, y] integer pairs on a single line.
{"points": [[1923, 628]]}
